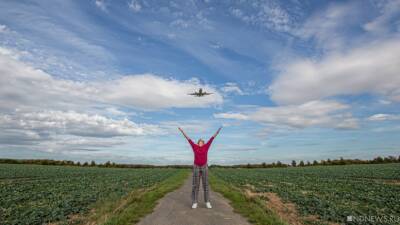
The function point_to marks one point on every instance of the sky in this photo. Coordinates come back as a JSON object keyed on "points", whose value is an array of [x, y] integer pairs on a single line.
{"points": [[108, 80]]}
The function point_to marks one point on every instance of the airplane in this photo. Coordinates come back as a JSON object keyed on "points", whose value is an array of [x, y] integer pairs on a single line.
{"points": [[200, 93]]}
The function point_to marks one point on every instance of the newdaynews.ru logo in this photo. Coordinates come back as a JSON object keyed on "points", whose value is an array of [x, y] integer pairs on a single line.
{"points": [[374, 219]]}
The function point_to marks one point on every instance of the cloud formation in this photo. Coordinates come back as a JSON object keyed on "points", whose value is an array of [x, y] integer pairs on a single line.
{"points": [[149, 91], [135, 6], [264, 14], [101, 4], [383, 117], [36, 107], [22, 86], [327, 27], [314, 113], [72, 123], [390, 11], [3, 28], [232, 88], [373, 68]]}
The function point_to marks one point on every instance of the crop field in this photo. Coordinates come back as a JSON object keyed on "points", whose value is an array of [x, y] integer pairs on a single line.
{"points": [[34, 194], [370, 194]]}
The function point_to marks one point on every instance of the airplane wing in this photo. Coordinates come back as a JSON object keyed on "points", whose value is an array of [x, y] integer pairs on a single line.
{"points": [[192, 94], [206, 93]]}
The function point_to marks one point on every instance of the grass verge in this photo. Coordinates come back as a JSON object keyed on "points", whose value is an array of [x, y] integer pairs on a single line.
{"points": [[253, 208], [134, 206]]}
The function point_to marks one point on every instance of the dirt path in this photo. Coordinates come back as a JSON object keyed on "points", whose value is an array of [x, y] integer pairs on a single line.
{"points": [[175, 209]]}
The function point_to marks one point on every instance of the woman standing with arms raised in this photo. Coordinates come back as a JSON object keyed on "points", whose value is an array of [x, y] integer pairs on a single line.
{"points": [[200, 167]]}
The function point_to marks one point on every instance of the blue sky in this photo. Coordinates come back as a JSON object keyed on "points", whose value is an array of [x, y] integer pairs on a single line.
{"points": [[108, 80]]}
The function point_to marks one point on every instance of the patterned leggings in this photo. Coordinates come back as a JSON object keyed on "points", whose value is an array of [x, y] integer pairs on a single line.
{"points": [[197, 172]]}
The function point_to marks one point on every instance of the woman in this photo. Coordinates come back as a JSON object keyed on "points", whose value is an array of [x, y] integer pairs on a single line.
{"points": [[200, 167]]}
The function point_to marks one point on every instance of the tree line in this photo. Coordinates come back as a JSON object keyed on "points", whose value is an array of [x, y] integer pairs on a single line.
{"points": [[294, 163], [107, 164], [327, 162]]}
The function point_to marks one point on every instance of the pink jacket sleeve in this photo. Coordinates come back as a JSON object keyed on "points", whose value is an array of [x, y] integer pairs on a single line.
{"points": [[191, 143], [210, 141]]}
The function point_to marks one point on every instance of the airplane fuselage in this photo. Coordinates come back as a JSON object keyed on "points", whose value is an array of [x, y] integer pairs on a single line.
{"points": [[200, 93]]}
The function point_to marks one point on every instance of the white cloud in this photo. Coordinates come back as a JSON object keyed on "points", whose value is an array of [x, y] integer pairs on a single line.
{"points": [[101, 4], [135, 6], [390, 11], [275, 17], [372, 68], [180, 23], [232, 88], [3, 28], [189, 126], [66, 131], [266, 14], [14, 54], [23, 86], [237, 116], [85, 57], [149, 91], [40, 110], [326, 27], [345, 121], [383, 117], [236, 12], [73, 123], [20, 137], [69, 144], [384, 102], [115, 111], [313, 113]]}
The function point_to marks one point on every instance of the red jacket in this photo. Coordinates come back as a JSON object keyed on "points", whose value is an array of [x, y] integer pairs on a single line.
{"points": [[200, 153]]}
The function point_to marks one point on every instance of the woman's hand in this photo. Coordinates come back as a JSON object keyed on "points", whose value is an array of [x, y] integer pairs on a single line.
{"points": [[183, 133], [216, 133]]}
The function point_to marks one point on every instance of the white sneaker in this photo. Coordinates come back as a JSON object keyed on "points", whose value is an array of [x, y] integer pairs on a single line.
{"points": [[208, 205], [194, 205]]}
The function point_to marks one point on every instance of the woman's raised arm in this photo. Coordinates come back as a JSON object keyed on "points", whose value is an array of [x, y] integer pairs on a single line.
{"points": [[184, 134], [216, 133]]}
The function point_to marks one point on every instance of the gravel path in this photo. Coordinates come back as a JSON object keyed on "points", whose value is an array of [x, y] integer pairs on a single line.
{"points": [[175, 209]]}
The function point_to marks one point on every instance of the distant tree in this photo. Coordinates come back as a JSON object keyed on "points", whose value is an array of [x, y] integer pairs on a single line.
{"points": [[92, 163], [386, 159], [378, 160], [328, 161], [398, 159], [308, 163], [294, 163], [315, 163], [391, 159], [279, 164], [86, 164], [301, 163], [263, 164], [107, 164]]}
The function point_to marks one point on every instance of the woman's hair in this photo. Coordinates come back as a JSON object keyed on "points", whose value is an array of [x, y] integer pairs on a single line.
{"points": [[200, 140]]}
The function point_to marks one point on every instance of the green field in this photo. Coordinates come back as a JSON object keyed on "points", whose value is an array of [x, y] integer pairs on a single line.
{"points": [[329, 192], [34, 194]]}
